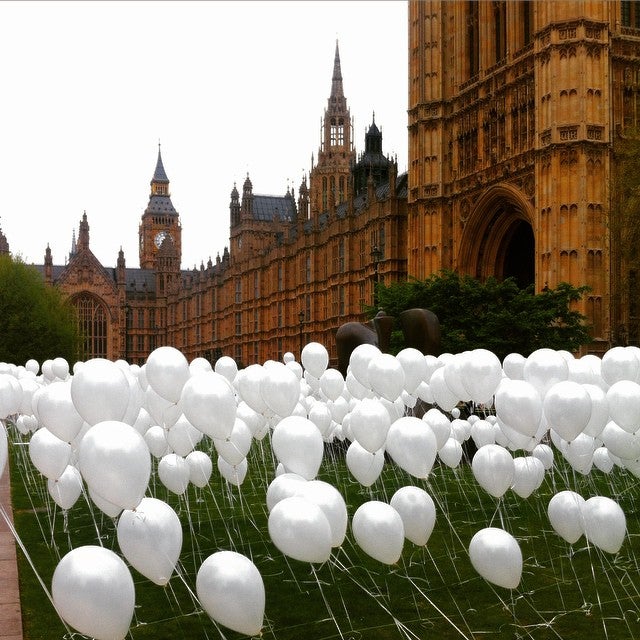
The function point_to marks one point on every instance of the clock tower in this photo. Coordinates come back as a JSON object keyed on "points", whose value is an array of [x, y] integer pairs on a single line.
{"points": [[160, 221]]}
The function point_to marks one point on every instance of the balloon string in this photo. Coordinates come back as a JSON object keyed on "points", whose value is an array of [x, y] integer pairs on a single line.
{"points": [[437, 608], [18, 540], [326, 602], [378, 600]]}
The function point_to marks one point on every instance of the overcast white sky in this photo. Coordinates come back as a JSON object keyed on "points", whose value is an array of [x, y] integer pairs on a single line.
{"points": [[89, 88]]}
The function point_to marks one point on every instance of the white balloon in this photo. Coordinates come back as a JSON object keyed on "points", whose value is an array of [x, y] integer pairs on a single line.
{"points": [[93, 592], [4, 448], [115, 462], [300, 530], [315, 358], [330, 500], [453, 373], [544, 368], [355, 388], [280, 389], [235, 447], [339, 409], [233, 474], [150, 538], [283, 486], [602, 460], [605, 524], [599, 410], [359, 362], [619, 363], [451, 453], [481, 373], [10, 395], [173, 471], [209, 404], [493, 468], [162, 411], [519, 406], [496, 556], [230, 589], [66, 489], [49, 454], [332, 384], [440, 425], [167, 371], [528, 475], [298, 444], [443, 396], [483, 432], [579, 453], [567, 408], [418, 513], [412, 446], [623, 400], [364, 466], [100, 391], [255, 421], [513, 366], [386, 376], [110, 509], [200, 468], [379, 531], [544, 453], [565, 515], [156, 440], [183, 437], [320, 415], [414, 366], [370, 424], [620, 442], [57, 411], [226, 367], [249, 382]]}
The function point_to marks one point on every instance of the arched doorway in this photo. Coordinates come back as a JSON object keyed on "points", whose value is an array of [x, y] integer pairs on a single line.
{"points": [[498, 238]]}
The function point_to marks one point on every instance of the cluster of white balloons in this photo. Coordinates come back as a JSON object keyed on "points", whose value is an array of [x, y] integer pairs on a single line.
{"points": [[96, 429]]}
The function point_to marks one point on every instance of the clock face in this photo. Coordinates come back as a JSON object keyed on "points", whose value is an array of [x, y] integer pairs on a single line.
{"points": [[160, 238]]}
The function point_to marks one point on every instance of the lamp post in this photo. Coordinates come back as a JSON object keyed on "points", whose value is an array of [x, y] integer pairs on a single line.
{"points": [[127, 316], [376, 256], [301, 320]]}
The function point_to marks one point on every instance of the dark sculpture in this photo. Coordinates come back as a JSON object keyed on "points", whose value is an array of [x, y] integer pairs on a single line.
{"points": [[420, 327]]}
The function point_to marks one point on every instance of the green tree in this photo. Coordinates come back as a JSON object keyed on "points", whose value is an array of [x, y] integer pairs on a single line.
{"points": [[35, 319], [493, 314]]}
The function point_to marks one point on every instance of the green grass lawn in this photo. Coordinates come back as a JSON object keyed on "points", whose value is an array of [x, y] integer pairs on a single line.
{"points": [[432, 592]]}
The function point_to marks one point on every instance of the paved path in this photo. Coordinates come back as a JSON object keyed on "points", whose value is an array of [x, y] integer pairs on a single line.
{"points": [[10, 614]]}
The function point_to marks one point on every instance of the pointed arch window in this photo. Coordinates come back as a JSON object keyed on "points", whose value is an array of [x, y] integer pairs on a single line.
{"points": [[337, 132], [92, 325]]}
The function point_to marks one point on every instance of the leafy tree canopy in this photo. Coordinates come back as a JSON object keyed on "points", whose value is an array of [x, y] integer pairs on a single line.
{"points": [[35, 320], [493, 314]]}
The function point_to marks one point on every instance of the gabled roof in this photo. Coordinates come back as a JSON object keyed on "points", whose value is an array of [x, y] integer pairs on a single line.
{"points": [[268, 208], [139, 280]]}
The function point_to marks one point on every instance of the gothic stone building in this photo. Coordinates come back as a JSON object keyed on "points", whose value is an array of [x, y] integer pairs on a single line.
{"points": [[515, 107], [295, 269]]}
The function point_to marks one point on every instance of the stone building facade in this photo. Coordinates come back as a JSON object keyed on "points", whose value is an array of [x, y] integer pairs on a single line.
{"points": [[295, 269], [514, 111]]}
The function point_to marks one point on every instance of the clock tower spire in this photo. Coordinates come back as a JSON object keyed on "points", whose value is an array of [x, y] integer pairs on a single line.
{"points": [[160, 220]]}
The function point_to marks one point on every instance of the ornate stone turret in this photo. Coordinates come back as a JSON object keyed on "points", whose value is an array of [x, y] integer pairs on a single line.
{"points": [[329, 178]]}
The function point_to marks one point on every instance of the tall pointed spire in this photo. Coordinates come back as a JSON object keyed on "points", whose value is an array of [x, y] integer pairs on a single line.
{"points": [[336, 79], [160, 175]]}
